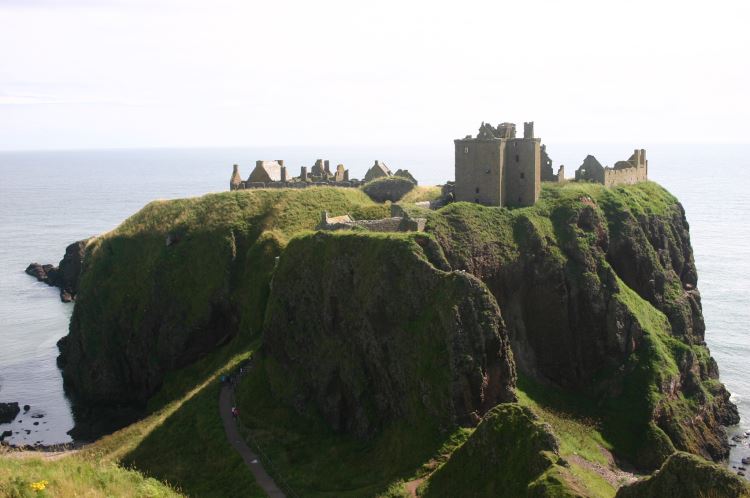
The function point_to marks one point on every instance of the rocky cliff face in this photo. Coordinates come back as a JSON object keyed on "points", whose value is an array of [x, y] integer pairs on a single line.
{"points": [[174, 282], [564, 273], [593, 289], [66, 274], [365, 330]]}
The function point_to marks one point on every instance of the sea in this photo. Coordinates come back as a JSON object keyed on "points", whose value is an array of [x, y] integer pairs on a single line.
{"points": [[49, 199]]}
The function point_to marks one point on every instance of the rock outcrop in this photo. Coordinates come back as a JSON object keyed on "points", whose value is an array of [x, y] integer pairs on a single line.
{"points": [[373, 332], [684, 475], [65, 276], [8, 412]]}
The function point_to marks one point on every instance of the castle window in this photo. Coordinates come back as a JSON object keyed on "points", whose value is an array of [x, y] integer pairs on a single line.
{"points": [[517, 158], [477, 190], [523, 176], [466, 150], [519, 200]]}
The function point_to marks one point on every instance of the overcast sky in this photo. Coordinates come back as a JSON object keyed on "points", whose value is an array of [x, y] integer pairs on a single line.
{"points": [[107, 73]]}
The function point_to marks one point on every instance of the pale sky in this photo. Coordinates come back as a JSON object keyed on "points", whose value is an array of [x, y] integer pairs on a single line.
{"points": [[159, 73]]}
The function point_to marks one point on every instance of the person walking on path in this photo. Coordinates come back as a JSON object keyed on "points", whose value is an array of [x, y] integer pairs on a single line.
{"points": [[233, 436]]}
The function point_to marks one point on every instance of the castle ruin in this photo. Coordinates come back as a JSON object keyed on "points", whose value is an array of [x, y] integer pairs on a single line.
{"points": [[498, 169], [634, 170], [273, 174], [495, 168]]}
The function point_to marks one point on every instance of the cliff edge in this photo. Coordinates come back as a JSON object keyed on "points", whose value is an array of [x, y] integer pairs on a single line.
{"points": [[589, 295]]}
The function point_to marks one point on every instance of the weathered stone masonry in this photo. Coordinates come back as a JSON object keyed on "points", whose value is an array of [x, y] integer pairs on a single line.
{"points": [[274, 174], [634, 170], [498, 169]]}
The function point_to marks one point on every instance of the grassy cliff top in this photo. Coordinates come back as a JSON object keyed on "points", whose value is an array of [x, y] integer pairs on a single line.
{"points": [[284, 210], [75, 476]]}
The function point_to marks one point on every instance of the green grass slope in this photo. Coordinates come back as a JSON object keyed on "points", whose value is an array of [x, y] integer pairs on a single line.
{"points": [[75, 476], [372, 356], [683, 475], [510, 454], [226, 253]]}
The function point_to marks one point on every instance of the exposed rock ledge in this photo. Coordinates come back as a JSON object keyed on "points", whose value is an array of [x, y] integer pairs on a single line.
{"points": [[65, 275]]}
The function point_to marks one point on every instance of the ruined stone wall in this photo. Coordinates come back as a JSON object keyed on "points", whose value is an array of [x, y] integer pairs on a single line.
{"points": [[298, 184], [393, 224], [479, 171], [522, 181], [624, 176], [590, 171]]}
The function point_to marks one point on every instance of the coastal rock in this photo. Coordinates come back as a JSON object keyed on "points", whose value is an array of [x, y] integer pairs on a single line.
{"points": [[66, 274], [8, 412], [374, 333], [684, 475]]}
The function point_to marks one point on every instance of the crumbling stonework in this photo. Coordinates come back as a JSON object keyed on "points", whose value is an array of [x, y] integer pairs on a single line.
{"points": [[634, 170], [547, 172], [273, 174], [402, 223], [236, 180], [498, 169], [267, 171]]}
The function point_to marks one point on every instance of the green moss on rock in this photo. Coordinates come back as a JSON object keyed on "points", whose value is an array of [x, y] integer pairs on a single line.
{"points": [[510, 454], [363, 329], [176, 280], [683, 476]]}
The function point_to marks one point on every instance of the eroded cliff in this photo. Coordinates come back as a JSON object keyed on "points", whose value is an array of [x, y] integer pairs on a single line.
{"points": [[598, 290], [365, 330], [593, 289]]}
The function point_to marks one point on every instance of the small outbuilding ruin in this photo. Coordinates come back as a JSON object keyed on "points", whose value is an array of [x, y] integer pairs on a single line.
{"points": [[634, 170]]}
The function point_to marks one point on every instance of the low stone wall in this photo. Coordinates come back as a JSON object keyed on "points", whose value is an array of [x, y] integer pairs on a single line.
{"points": [[392, 224]]}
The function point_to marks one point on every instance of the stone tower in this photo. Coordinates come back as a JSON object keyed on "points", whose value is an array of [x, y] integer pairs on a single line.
{"points": [[236, 180], [498, 169]]}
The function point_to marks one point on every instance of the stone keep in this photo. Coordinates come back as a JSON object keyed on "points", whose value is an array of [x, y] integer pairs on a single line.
{"points": [[498, 169]]}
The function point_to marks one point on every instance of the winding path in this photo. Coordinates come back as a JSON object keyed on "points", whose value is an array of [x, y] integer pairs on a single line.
{"points": [[250, 458]]}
